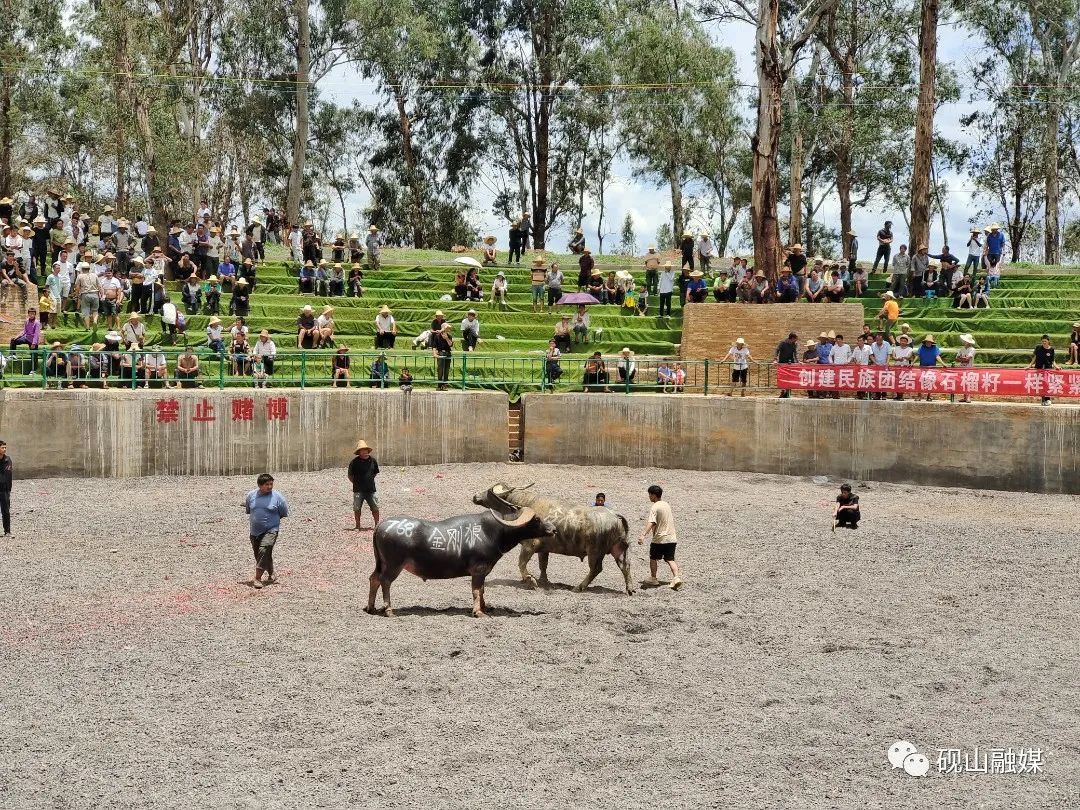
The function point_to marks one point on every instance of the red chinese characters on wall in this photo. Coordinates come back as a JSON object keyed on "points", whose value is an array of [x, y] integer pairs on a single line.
{"points": [[241, 409]]}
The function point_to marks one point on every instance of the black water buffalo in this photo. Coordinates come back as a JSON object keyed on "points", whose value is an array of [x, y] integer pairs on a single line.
{"points": [[465, 545], [580, 532]]}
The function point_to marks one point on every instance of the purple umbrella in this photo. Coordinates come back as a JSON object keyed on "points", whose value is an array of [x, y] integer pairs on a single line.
{"points": [[577, 298]]}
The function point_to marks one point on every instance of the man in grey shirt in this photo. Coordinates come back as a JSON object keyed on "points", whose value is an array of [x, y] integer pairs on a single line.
{"points": [[470, 330], [919, 264], [901, 264], [372, 244], [554, 285]]}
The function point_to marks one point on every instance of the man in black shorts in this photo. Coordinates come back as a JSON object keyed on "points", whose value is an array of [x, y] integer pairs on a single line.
{"points": [[661, 525], [847, 513]]}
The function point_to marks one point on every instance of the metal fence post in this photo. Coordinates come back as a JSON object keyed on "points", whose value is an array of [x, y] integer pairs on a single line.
{"points": [[221, 370], [41, 356], [303, 368], [706, 387], [464, 368]]}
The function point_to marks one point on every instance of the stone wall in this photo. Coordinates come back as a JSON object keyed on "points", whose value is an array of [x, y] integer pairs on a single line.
{"points": [[710, 329], [981, 445], [135, 433]]}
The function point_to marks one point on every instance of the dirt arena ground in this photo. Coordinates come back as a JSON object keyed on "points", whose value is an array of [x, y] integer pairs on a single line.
{"points": [[139, 670]]}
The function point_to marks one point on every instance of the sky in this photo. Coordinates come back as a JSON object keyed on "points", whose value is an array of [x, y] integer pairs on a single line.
{"points": [[650, 206]]}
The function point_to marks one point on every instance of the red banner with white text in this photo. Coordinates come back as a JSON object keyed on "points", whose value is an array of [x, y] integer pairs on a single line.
{"points": [[988, 382]]}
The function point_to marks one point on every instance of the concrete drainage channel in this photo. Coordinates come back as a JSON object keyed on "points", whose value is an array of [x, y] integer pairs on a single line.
{"points": [[515, 431]]}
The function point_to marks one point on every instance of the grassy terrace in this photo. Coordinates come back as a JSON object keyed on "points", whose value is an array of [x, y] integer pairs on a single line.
{"points": [[1029, 302]]}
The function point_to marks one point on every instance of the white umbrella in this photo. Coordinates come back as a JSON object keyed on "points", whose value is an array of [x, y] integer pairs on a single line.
{"points": [[469, 261]]}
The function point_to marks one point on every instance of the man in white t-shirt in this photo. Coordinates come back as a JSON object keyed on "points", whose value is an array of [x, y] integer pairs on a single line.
{"points": [[841, 352], [901, 356], [661, 525], [861, 356], [739, 354]]}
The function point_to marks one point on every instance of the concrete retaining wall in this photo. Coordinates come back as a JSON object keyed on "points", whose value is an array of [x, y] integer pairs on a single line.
{"points": [[135, 433], [993, 446]]}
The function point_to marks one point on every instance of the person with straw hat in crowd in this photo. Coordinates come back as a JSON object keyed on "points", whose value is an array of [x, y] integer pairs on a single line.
{"points": [[240, 301], [537, 277], [305, 327], [586, 264], [965, 358], [796, 260], [553, 280], [995, 245], [697, 289], [889, 313], [470, 330], [929, 356], [705, 251], [324, 328], [499, 289], [385, 328], [652, 269], [134, 331], [739, 354], [373, 248], [577, 244], [362, 471], [490, 254]]}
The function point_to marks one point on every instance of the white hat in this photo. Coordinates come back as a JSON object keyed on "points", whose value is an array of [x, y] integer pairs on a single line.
{"points": [[968, 339], [740, 342], [888, 294]]}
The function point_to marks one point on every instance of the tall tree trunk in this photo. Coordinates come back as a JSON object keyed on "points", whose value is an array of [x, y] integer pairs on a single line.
{"points": [[412, 170], [7, 79], [797, 158], [1069, 55], [765, 142], [300, 136], [1052, 244], [678, 225], [919, 233], [939, 203], [543, 151], [844, 147], [159, 206], [808, 241]]}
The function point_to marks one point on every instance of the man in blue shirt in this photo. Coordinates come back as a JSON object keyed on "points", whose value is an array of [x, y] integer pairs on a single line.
{"points": [[266, 508], [995, 244], [929, 356]]}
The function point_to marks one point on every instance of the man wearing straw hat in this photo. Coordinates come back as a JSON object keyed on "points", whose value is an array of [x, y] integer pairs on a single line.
{"points": [[739, 354], [490, 254], [889, 313], [537, 276], [965, 358], [373, 248], [385, 328], [362, 471], [577, 244], [995, 244], [929, 356]]}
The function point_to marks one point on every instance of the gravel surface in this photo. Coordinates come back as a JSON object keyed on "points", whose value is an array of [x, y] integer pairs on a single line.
{"points": [[139, 670]]}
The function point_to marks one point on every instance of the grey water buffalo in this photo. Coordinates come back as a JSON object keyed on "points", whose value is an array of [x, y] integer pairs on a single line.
{"points": [[464, 545], [582, 532]]}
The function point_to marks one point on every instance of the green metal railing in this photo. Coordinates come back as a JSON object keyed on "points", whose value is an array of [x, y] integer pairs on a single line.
{"points": [[81, 368]]}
